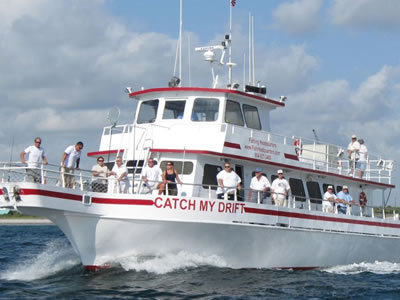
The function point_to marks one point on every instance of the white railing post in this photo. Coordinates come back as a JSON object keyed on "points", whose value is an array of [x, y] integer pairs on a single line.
{"points": [[348, 209], [309, 204], [63, 176], [383, 214], [209, 192], [336, 209], [258, 197], [81, 180], [373, 213], [42, 174]]}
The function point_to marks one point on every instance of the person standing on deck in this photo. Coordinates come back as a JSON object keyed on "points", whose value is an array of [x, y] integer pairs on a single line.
{"points": [[120, 172], [228, 181], [70, 158], [280, 189], [344, 199], [151, 176], [362, 161], [259, 186], [35, 153], [353, 152], [329, 200]]}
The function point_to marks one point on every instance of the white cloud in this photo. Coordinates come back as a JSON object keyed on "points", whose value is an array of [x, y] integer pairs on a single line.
{"points": [[298, 17], [367, 13]]}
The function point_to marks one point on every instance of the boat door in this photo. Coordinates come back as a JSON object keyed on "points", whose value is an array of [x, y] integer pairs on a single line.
{"points": [[239, 171]]}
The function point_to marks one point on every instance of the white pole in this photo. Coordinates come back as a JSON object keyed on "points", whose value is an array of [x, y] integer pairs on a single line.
{"points": [[252, 48], [244, 70], [230, 45], [190, 73], [180, 43]]}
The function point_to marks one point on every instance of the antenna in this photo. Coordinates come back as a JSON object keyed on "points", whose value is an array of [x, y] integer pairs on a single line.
{"points": [[315, 135], [112, 116], [12, 149], [180, 42], [190, 72]]}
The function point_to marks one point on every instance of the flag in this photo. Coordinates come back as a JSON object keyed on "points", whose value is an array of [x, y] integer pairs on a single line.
{"points": [[233, 2]]}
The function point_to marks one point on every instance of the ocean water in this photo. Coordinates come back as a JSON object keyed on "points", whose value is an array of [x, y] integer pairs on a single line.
{"points": [[37, 262]]}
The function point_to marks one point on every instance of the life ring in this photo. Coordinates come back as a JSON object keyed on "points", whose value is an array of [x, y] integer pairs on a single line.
{"points": [[363, 199], [298, 146]]}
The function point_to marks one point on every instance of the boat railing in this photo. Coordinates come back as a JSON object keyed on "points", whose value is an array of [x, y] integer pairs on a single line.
{"points": [[83, 180]]}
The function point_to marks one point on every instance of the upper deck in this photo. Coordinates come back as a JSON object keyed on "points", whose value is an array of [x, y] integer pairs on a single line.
{"points": [[234, 125]]}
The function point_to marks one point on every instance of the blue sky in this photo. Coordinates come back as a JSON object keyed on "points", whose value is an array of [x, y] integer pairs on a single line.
{"points": [[65, 63]]}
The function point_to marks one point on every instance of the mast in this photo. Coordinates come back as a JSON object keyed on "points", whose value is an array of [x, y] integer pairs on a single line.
{"points": [[180, 43], [231, 4]]}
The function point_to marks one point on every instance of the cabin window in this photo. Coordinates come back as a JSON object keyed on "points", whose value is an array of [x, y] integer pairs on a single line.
{"points": [[297, 189], [132, 165], [339, 188], [251, 116], [233, 113], [174, 109], [185, 167], [314, 191], [325, 187], [210, 176], [205, 110], [148, 111]]}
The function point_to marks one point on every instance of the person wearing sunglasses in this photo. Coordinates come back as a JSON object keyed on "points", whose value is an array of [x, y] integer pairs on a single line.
{"points": [[35, 154], [100, 173], [228, 181], [170, 177]]}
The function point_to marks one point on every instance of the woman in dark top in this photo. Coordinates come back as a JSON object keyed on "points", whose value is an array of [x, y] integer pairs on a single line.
{"points": [[170, 176]]}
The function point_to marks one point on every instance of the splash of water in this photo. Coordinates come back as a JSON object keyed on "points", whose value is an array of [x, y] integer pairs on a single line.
{"points": [[376, 268], [57, 256], [163, 264]]}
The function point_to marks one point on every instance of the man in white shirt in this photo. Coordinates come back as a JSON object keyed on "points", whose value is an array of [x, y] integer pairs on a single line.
{"points": [[329, 200], [259, 186], [228, 181], [70, 158], [353, 152], [35, 154], [362, 161], [121, 175], [280, 189], [151, 177]]}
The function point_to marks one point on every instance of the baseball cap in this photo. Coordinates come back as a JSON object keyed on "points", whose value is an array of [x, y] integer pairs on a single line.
{"points": [[353, 136], [258, 170], [330, 187], [279, 172], [345, 187]]}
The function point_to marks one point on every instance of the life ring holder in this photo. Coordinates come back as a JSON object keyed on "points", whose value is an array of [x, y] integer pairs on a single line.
{"points": [[298, 147]]}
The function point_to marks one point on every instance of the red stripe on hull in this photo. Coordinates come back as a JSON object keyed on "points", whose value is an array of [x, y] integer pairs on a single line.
{"points": [[260, 211], [291, 156], [232, 145], [280, 165]]}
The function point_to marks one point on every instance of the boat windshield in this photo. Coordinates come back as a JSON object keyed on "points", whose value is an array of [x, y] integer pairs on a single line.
{"points": [[148, 111], [174, 109], [205, 109]]}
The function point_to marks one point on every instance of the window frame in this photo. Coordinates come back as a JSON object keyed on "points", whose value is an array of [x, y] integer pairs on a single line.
{"points": [[244, 106], [237, 104]]}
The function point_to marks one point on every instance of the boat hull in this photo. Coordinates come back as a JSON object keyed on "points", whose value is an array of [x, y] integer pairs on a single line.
{"points": [[247, 235]]}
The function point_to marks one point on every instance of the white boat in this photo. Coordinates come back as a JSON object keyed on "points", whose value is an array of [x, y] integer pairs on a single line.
{"points": [[200, 129]]}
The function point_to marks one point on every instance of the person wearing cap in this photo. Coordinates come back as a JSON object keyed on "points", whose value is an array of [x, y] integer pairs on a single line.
{"points": [[228, 181], [362, 161], [329, 200], [280, 189], [353, 152], [344, 199], [259, 186]]}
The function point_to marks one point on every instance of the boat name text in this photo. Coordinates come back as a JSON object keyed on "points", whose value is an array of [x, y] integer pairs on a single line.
{"points": [[199, 205]]}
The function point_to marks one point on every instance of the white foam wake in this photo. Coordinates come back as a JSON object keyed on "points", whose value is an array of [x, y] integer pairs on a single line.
{"points": [[57, 256], [163, 264], [376, 267]]}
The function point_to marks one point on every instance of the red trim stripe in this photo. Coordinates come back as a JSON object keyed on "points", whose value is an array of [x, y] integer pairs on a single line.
{"points": [[232, 145], [97, 153], [208, 90], [295, 215], [291, 156], [250, 210], [206, 152]]}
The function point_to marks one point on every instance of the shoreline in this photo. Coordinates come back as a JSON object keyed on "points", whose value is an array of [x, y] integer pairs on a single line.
{"points": [[25, 221]]}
